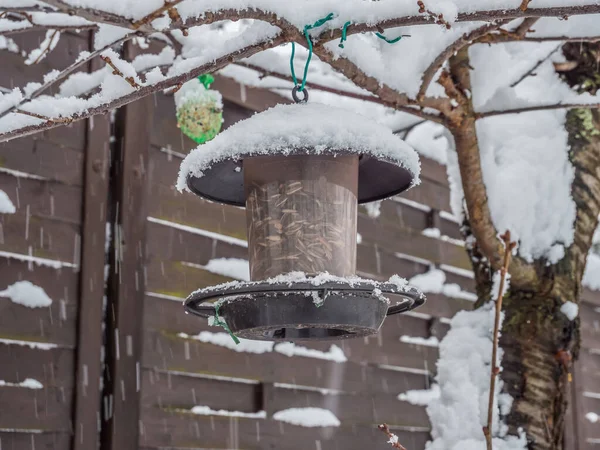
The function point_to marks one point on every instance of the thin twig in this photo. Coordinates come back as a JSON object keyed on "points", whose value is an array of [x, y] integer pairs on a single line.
{"points": [[155, 14], [42, 117], [524, 5], [508, 247], [437, 17], [537, 108], [117, 72], [47, 49], [440, 60], [536, 66], [65, 72], [393, 438]]}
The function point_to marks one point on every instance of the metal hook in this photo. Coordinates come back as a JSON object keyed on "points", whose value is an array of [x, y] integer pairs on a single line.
{"points": [[295, 94]]}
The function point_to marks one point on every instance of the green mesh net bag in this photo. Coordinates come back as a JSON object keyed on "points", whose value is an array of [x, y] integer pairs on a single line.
{"points": [[199, 109]]}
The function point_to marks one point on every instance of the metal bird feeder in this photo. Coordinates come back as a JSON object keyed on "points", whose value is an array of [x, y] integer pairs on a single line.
{"points": [[301, 210]]}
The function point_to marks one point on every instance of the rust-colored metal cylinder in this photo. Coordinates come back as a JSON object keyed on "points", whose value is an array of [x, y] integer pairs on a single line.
{"points": [[301, 214]]}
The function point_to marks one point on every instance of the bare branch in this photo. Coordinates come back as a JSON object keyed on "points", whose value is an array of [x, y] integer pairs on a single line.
{"points": [[46, 49], [117, 72], [66, 72], [538, 108], [149, 89], [37, 27], [438, 18], [536, 66], [388, 96], [59, 120], [525, 26], [95, 15], [495, 370], [155, 14], [320, 87], [465, 39], [393, 439]]}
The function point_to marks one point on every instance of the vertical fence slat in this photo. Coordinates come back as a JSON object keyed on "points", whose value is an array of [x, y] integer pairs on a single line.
{"points": [[126, 284], [91, 283]]}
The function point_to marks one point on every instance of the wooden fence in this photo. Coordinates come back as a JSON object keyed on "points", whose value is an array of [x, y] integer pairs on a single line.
{"points": [[100, 227]]}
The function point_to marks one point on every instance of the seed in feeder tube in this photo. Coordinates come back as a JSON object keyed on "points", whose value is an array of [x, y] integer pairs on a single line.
{"points": [[274, 238]]}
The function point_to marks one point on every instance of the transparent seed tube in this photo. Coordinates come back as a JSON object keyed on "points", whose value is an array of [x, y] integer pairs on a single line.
{"points": [[301, 214]]}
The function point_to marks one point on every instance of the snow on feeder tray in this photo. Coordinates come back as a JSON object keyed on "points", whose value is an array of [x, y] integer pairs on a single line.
{"points": [[300, 170]]}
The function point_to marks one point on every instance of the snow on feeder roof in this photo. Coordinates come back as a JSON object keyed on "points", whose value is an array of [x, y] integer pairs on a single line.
{"points": [[301, 170], [387, 167]]}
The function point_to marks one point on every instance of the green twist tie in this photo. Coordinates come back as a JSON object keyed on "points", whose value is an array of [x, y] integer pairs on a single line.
{"points": [[206, 79], [307, 28], [391, 41], [222, 323], [344, 34]]}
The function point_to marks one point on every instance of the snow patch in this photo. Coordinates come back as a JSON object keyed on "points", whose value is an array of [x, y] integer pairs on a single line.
{"points": [[224, 340], [421, 397], [308, 417], [230, 267], [27, 294], [464, 366], [434, 281], [28, 383], [6, 205], [290, 349], [30, 344], [496, 285], [592, 417], [428, 342], [373, 209], [570, 309], [206, 411]]}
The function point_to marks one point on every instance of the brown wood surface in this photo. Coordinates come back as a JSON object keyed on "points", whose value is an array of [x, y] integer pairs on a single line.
{"points": [[47, 409], [176, 430], [54, 367], [38, 441], [127, 278], [91, 282]]}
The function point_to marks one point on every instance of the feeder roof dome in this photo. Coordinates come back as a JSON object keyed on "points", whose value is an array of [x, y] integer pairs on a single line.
{"points": [[312, 128]]}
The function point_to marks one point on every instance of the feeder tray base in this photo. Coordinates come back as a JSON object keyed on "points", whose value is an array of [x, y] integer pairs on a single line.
{"points": [[301, 311]]}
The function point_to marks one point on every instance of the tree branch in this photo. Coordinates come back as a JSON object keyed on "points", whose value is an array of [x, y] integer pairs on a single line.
{"points": [[388, 96], [216, 64], [524, 109], [65, 73], [495, 370], [440, 60], [462, 126], [535, 67], [155, 14], [117, 72], [393, 439]]}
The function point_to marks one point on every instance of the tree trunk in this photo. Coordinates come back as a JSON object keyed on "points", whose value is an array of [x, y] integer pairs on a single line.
{"points": [[538, 341]]}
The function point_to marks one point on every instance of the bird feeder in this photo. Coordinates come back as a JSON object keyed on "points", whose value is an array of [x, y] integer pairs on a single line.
{"points": [[300, 171]]}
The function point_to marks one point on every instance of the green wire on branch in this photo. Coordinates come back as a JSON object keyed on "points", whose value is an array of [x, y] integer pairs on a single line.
{"points": [[318, 23], [199, 109]]}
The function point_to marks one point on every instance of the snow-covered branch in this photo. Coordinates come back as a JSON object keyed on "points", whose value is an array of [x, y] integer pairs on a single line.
{"points": [[103, 102]]}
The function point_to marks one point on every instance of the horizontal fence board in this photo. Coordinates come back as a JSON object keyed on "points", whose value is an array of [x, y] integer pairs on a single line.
{"points": [[40, 236], [59, 284], [360, 409], [53, 367], [173, 391], [414, 244], [55, 323], [43, 158], [45, 198], [48, 409], [167, 351], [431, 194], [34, 441], [171, 430]]}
